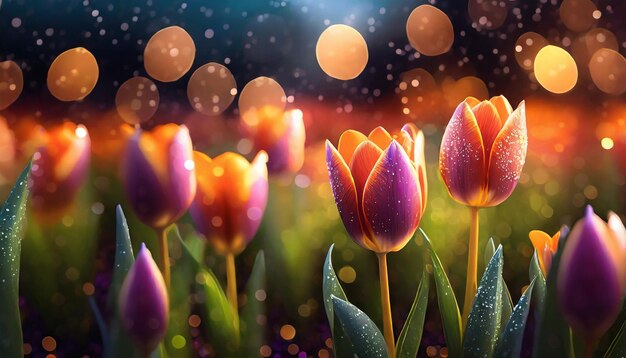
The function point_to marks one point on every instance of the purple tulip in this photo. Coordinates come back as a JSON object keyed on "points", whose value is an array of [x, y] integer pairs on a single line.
{"points": [[143, 303], [591, 277], [379, 186], [158, 173]]}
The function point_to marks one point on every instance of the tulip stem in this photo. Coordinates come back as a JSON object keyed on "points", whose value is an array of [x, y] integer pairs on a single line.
{"points": [[386, 305], [231, 286], [472, 263], [590, 347], [165, 256]]}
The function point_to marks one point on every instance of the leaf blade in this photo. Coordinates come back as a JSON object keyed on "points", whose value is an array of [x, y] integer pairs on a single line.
{"points": [[411, 334], [510, 343], [252, 332]]}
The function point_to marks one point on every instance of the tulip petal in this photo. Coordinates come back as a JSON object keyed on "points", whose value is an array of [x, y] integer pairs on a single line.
{"points": [[503, 106], [471, 101], [365, 157], [541, 242], [344, 192], [182, 178], [380, 137], [391, 200], [462, 157], [489, 123], [348, 142], [507, 157], [420, 161], [588, 284]]}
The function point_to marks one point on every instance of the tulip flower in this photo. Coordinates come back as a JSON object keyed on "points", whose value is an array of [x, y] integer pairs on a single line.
{"points": [[159, 180], [60, 167], [229, 205], [592, 275], [144, 303], [281, 135], [545, 246], [483, 151], [379, 185], [7, 152]]}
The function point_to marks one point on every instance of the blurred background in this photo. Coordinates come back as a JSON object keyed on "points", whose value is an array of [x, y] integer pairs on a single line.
{"points": [[576, 114]]}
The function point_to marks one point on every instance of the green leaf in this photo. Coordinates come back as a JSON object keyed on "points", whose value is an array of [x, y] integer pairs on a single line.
{"points": [[11, 223], [535, 273], [448, 306], [217, 315], [252, 331], [483, 325], [507, 305], [332, 287], [119, 343], [411, 335], [490, 249], [365, 337], [618, 346], [510, 343]]}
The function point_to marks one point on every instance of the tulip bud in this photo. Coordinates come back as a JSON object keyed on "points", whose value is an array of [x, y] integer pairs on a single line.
{"points": [[230, 200], [60, 167], [379, 185], [546, 247], [591, 277], [281, 135], [158, 174], [143, 303], [483, 151]]}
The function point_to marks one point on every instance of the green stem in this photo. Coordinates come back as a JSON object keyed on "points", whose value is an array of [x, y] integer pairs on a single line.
{"points": [[165, 256], [386, 304], [472, 266], [231, 286]]}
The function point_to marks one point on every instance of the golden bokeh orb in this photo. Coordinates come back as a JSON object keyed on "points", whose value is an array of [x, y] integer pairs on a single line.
{"points": [[341, 52], [169, 54], [526, 48], [11, 83], [555, 69], [73, 74], [211, 89], [260, 95], [456, 91], [608, 71], [429, 30], [137, 100], [578, 15]]}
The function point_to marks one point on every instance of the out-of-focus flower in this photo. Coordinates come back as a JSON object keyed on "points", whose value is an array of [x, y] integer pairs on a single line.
{"points": [[592, 275], [158, 174], [379, 185], [230, 200], [281, 135], [546, 247], [59, 169], [7, 152], [483, 151], [143, 303]]}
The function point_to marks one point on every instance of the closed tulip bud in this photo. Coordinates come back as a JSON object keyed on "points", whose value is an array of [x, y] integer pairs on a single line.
{"points": [[483, 151], [158, 174], [60, 167], [546, 247], [379, 185], [230, 200], [281, 135], [143, 303], [591, 277]]}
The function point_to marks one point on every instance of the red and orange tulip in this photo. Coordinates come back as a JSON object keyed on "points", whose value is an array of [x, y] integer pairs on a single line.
{"points": [[483, 151], [379, 185], [158, 174], [546, 247], [60, 167], [230, 200]]}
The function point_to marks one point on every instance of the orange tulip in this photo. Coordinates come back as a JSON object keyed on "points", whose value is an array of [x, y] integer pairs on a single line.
{"points": [[59, 169], [483, 151], [546, 247], [230, 199]]}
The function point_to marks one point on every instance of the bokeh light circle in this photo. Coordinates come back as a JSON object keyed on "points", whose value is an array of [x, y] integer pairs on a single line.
{"points": [[599, 38], [608, 71], [456, 91], [137, 100], [555, 69], [577, 15], [341, 52], [261, 93], [487, 14], [526, 48], [73, 74], [169, 54], [429, 30], [11, 83], [211, 89]]}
